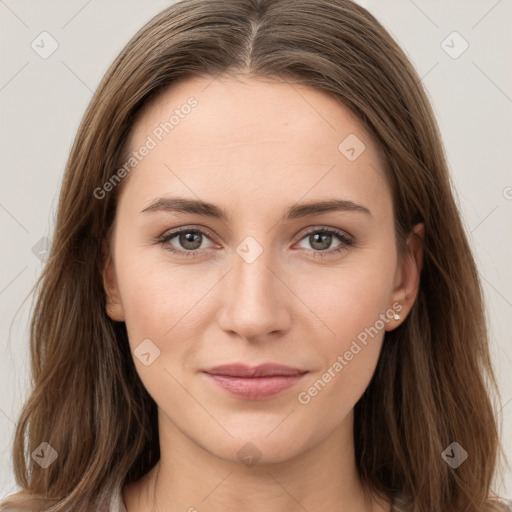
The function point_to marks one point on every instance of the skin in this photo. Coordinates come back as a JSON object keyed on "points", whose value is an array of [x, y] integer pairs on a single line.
{"points": [[255, 147]]}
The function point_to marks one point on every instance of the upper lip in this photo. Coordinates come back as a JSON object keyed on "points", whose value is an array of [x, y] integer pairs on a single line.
{"points": [[262, 370]]}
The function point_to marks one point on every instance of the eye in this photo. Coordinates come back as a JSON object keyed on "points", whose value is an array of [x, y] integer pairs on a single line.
{"points": [[190, 241], [321, 239]]}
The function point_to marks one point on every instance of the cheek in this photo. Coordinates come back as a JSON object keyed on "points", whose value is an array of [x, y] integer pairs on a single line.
{"points": [[155, 304], [333, 393], [146, 292], [352, 308], [353, 314], [165, 303], [348, 299]]}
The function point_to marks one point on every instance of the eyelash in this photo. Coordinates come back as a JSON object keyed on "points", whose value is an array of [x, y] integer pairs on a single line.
{"points": [[345, 240]]}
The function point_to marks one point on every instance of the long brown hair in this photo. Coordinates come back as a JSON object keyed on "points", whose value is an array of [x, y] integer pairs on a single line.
{"points": [[433, 385]]}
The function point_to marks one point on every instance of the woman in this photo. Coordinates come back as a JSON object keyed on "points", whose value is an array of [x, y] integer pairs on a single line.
{"points": [[259, 282]]}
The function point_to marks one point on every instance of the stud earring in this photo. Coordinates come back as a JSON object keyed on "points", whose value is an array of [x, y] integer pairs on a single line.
{"points": [[396, 316], [111, 300]]}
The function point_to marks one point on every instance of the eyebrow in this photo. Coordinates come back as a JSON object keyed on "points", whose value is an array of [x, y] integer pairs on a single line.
{"points": [[183, 205]]}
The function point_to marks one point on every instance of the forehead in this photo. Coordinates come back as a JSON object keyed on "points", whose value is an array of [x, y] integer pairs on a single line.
{"points": [[242, 107], [256, 135]]}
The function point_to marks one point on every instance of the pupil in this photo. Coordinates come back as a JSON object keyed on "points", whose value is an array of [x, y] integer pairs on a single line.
{"points": [[188, 238], [323, 239]]}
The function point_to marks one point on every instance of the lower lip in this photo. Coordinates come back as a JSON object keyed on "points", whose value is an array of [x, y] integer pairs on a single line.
{"points": [[255, 388]]}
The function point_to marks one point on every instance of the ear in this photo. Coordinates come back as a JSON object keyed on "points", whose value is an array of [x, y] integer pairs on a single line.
{"points": [[113, 306], [407, 278]]}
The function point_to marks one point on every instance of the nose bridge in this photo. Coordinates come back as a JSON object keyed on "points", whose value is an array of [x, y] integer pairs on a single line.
{"points": [[251, 267], [254, 303]]}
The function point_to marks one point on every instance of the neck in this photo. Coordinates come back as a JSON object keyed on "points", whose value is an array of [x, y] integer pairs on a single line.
{"points": [[190, 478]]}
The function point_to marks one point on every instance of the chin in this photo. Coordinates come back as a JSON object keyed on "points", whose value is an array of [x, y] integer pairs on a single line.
{"points": [[253, 446]]}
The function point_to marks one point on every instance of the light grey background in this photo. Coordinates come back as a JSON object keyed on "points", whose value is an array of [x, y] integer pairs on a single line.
{"points": [[42, 102]]}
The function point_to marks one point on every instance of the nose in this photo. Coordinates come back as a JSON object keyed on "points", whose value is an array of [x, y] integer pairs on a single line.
{"points": [[256, 301]]}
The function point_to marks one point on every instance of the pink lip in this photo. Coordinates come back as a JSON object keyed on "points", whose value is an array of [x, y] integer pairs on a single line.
{"points": [[255, 383]]}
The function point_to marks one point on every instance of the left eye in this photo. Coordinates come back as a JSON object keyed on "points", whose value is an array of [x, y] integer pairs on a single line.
{"points": [[321, 239]]}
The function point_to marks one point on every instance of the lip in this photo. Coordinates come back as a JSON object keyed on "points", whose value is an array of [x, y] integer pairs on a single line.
{"points": [[262, 370], [254, 382]]}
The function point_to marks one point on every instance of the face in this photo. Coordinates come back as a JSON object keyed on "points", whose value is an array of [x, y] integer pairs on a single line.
{"points": [[255, 276]]}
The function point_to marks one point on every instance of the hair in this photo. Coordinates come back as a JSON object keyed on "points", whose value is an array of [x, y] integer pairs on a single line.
{"points": [[433, 383]]}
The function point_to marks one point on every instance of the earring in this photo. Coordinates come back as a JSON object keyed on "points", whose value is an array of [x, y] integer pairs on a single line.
{"points": [[110, 308], [396, 316]]}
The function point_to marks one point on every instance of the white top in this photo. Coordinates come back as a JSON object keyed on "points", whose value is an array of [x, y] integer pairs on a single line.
{"points": [[117, 503]]}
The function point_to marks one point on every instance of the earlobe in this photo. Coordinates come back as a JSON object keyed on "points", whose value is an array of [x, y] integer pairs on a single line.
{"points": [[410, 267]]}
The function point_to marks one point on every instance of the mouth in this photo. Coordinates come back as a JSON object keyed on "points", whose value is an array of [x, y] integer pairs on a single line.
{"points": [[254, 383]]}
